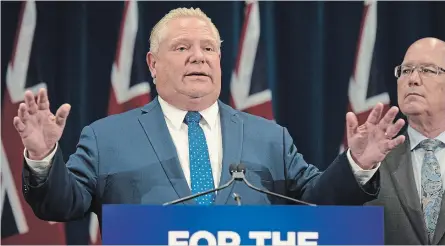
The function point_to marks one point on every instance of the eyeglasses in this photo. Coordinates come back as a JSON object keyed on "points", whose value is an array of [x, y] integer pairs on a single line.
{"points": [[423, 70]]}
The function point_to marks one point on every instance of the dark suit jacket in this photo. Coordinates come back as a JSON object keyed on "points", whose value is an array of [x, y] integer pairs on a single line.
{"points": [[131, 158], [404, 223]]}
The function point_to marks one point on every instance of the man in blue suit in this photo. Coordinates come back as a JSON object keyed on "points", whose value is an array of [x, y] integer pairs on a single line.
{"points": [[184, 141]]}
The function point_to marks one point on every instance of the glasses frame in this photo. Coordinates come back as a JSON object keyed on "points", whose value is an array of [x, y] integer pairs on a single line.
{"points": [[440, 70]]}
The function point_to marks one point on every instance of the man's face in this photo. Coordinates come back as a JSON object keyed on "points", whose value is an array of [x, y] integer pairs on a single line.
{"points": [[423, 93], [187, 64]]}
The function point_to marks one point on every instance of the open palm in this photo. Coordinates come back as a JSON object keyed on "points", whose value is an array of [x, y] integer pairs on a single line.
{"points": [[39, 129], [371, 142]]}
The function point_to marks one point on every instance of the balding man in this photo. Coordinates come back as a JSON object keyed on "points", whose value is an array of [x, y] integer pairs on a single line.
{"points": [[184, 141], [413, 174]]}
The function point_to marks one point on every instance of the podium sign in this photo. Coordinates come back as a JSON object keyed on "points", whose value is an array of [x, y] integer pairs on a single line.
{"points": [[242, 225]]}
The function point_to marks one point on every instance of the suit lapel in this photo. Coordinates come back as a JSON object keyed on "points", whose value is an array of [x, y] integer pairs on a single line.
{"points": [[232, 139], [402, 174], [155, 127], [440, 227]]}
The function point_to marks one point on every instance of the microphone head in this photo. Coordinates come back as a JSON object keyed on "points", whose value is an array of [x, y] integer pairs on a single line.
{"points": [[241, 168], [232, 168], [236, 196]]}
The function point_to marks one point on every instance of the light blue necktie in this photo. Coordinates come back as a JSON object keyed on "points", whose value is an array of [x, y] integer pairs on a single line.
{"points": [[200, 169], [432, 187]]}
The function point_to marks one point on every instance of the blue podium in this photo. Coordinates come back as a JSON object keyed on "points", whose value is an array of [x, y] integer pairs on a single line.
{"points": [[242, 225]]}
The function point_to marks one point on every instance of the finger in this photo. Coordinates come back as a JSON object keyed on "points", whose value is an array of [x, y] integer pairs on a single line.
{"points": [[375, 114], [42, 99], [18, 124], [62, 114], [388, 118], [395, 128], [30, 102], [23, 112], [352, 123], [395, 142]]}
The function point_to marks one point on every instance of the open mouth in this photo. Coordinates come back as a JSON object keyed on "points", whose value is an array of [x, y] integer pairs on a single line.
{"points": [[196, 74]]}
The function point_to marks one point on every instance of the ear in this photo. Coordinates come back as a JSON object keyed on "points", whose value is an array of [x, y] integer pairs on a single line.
{"points": [[151, 63]]}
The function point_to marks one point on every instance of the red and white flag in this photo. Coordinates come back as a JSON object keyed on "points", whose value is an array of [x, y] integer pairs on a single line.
{"points": [[129, 87], [19, 224], [249, 86], [362, 97]]}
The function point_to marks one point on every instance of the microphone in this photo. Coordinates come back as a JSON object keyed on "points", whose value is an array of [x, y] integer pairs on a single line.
{"points": [[241, 170], [237, 198], [235, 176]]}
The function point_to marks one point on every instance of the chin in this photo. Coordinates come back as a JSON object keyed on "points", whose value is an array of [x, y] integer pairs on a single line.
{"points": [[198, 103], [412, 109], [197, 94], [200, 90]]}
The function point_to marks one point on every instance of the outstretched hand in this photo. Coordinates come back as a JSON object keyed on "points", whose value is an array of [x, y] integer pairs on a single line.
{"points": [[371, 142], [40, 129]]}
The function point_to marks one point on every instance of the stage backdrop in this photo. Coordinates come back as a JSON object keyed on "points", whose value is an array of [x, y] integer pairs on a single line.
{"points": [[303, 64]]}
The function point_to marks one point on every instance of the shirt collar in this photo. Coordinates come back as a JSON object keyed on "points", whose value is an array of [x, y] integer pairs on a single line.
{"points": [[416, 137], [176, 116]]}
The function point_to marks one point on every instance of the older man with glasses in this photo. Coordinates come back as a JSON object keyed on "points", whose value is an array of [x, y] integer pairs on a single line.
{"points": [[413, 174]]}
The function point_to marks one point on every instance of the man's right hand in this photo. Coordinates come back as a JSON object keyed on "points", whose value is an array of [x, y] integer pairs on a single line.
{"points": [[40, 129]]}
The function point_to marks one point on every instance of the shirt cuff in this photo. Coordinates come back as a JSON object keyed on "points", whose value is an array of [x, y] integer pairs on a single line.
{"points": [[40, 167], [362, 176]]}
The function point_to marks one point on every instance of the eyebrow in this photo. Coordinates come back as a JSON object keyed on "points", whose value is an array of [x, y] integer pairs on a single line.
{"points": [[179, 40], [421, 63]]}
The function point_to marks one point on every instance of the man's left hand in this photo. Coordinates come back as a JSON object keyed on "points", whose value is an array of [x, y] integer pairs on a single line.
{"points": [[372, 141]]}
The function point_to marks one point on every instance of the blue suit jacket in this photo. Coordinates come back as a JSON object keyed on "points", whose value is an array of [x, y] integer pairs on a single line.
{"points": [[131, 158]]}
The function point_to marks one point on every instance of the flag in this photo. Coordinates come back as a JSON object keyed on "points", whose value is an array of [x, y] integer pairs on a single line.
{"points": [[249, 89], [366, 86], [130, 87], [129, 82], [32, 47], [19, 224]]}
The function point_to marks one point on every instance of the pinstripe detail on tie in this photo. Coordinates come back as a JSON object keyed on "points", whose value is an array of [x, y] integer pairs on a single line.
{"points": [[432, 187], [200, 168]]}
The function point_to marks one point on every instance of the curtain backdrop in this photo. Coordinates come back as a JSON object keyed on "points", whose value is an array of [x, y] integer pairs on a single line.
{"points": [[308, 53]]}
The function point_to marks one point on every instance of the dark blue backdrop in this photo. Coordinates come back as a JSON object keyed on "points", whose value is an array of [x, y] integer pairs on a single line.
{"points": [[311, 48]]}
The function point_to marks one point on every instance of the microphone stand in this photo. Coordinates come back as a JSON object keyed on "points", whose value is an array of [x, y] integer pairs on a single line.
{"points": [[235, 176], [241, 170], [237, 172]]}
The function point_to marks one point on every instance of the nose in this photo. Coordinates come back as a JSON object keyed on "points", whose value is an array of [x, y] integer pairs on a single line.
{"points": [[414, 78], [197, 56]]}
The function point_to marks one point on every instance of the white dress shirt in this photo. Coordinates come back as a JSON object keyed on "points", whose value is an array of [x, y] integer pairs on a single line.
{"points": [[417, 154], [211, 125]]}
